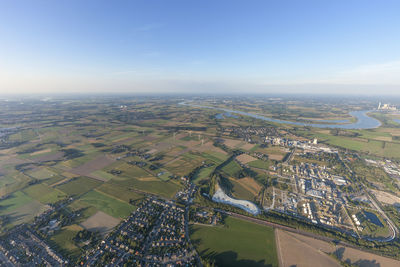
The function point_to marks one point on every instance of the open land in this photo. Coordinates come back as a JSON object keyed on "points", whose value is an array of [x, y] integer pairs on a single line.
{"points": [[80, 173], [100, 222], [238, 243]]}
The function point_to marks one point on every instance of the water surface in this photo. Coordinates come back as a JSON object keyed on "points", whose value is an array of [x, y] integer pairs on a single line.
{"points": [[363, 120], [373, 218]]}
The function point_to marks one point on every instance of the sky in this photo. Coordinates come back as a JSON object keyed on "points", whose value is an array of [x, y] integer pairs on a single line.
{"points": [[193, 46]]}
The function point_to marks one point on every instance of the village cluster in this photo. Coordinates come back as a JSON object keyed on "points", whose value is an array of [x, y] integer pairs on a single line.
{"points": [[155, 234]]}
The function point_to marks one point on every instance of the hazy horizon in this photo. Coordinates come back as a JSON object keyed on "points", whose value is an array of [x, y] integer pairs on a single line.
{"points": [[210, 47]]}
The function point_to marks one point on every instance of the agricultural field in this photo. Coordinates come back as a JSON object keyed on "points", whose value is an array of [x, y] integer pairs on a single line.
{"points": [[78, 186], [294, 251], [100, 222], [150, 185], [44, 194], [241, 188], [203, 174], [232, 168], [302, 251], [42, 173], [95, 161], [63, 240], [184, 164], [19, 208], [236, 243], [92, 166], [373, 142], [245, 158], [232, 143], [128, 170], [113, 207], [259, 164], [216, 157], [119, 192]]}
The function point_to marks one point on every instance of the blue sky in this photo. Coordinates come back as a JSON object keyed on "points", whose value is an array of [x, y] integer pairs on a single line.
{"points": [[200, 46]]}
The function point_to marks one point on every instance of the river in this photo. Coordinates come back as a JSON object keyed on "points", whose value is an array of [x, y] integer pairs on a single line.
{"points": [[363, 120]]}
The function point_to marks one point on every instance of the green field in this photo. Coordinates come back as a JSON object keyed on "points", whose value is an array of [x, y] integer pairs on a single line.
{"points": [[54, 179], [44, 194], [130, 170], [239, 192], [232, 168], [261, 164], [85, 210], [217, 157], [13, 202], [12, 182], [165, 189], [122, 136], [165, 176], [103, 174], [107, 204], [6, 180], [371, 146], [63, 239], [119, 192], [25, 135], [204, 173], [237, 243], [42, 173], [20, 208], [78, 186], [185, 164]]}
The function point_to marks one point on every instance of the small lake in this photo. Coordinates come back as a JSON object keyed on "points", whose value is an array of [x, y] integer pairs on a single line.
{"points": [[363, 120], [396, 120], [373, 218]]}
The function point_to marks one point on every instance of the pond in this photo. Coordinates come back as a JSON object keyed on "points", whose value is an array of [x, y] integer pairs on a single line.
{"points": [[373, 218]]}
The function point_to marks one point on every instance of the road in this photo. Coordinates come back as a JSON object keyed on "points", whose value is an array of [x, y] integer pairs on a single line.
{"points": [[291, 155], [393, 229]]}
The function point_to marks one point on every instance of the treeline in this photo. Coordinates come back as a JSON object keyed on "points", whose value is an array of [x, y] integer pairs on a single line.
{"points": [[72, 153], [339, 132]]}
